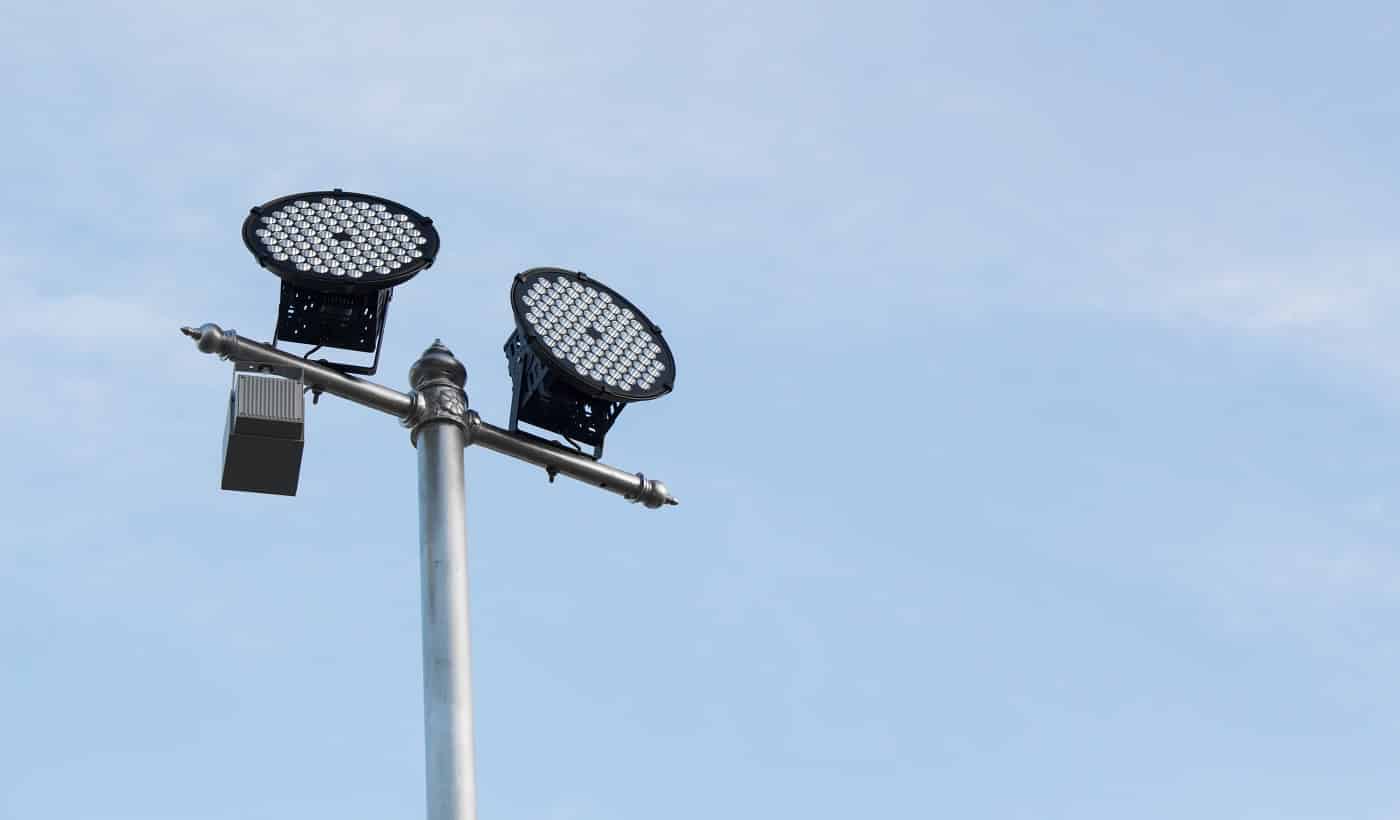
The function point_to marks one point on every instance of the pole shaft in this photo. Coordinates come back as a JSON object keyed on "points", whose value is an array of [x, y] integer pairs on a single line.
{"points": [[447, 691]]}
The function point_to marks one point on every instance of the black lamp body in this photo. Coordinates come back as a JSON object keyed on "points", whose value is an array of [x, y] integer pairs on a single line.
{"points": [[348, 321]]}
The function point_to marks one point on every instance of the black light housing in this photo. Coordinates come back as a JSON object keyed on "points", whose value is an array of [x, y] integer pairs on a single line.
{"points": [[579, 354], [339, 255]]}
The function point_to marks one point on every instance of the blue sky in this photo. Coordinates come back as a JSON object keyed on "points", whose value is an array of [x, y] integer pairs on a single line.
{"points": [[1035, 397]]}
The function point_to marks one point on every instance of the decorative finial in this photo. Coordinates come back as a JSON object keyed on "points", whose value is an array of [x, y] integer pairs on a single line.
{"points": [[437, 364]]}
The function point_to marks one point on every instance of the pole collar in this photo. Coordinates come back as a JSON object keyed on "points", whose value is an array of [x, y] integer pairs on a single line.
{"points": [[437, 378]]}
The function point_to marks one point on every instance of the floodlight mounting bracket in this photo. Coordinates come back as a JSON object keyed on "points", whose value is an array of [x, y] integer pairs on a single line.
{"points": [[416, 409], [294, 373]]}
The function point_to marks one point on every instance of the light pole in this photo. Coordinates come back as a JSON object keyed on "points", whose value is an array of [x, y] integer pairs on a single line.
{"points": [[439, 433], [579, 354]]}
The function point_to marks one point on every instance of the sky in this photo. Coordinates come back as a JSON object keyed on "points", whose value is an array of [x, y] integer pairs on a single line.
{"points": [[1032, 428]]}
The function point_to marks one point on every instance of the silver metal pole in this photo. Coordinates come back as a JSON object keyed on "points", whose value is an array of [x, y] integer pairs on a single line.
{"points": [[439, 433]]}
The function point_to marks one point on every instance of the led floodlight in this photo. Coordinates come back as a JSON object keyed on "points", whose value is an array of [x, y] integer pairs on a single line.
{"points": [[339, 255], [579, 354]]}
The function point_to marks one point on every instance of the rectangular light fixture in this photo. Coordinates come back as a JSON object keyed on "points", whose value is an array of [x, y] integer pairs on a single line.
{"points": [[264, 435]]}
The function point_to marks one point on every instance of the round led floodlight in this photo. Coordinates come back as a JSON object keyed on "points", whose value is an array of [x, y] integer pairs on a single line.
{"points": [[596, 339], [340, 241]]}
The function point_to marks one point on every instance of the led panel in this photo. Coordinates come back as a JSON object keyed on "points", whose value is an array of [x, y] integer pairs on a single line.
{"points": [[587, 332], [340, 241]]}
